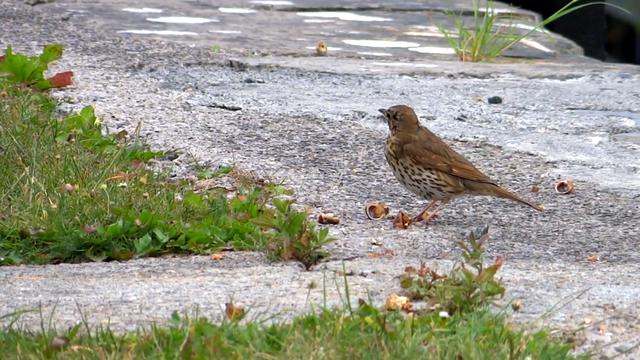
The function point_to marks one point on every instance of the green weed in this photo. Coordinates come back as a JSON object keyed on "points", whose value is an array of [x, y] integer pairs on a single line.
{"points": [[29, 70], [72, 192], [468, 286], [484, 41]]}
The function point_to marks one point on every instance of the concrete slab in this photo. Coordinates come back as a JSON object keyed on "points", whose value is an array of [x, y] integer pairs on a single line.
{"points": [[351, 28], [312, 122]]}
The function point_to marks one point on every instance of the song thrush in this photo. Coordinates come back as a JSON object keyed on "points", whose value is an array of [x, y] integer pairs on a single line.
{"points": [[428, 167]]}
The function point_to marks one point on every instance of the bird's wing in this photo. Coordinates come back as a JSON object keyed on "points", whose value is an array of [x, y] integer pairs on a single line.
{"points": [[436, 154]]}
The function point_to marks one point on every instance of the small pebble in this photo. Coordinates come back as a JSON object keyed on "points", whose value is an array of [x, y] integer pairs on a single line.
{"points": [[462, 117], [36, 2], [495, 100], [171, 155], [253, 81], [622, 348]]}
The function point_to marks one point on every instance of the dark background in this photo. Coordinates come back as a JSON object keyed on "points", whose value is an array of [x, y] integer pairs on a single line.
{"points": [[603, 32]]}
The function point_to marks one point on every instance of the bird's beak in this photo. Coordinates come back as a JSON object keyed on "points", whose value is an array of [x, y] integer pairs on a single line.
{"points": [[383, 111]]}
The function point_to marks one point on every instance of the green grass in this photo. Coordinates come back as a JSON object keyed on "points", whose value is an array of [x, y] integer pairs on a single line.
{"points": [[366, 333], [483, 40], [455, 323], [469, 286], [70, 192]]}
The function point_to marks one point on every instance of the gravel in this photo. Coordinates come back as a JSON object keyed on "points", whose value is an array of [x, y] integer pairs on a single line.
{"points": [[315, 126]]}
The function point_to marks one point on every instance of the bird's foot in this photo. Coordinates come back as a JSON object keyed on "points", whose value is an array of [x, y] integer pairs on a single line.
{"points": [[425, 216]]}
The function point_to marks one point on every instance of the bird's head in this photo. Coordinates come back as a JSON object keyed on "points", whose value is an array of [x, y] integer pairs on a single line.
{"points": [[401, 118]]}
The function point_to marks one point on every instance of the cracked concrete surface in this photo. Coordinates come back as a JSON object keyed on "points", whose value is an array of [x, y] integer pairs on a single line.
{"points": [[313, 123]]}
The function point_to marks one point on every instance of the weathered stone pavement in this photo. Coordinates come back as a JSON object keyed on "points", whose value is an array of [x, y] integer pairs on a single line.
{"points": [[312, 122]]}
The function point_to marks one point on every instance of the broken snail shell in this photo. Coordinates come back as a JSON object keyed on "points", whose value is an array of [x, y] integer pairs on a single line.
{"points": [[401, 221], [565, 187], [322, 48], [328, 218], [376, 210], [395, 302]]}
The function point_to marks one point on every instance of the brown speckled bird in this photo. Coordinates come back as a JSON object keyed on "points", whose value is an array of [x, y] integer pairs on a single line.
{"points": [[428, 167]]}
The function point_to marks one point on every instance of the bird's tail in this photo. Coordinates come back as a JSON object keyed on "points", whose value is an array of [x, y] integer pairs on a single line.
{"points": [[491, 189], [504, 193]]}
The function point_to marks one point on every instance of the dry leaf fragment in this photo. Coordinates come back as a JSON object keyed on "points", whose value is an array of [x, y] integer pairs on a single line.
{"points": [[137, 164], [217, 256], [376, 210], [120, 175], [59, 342], [535, 188], [234, 312], [395, 302], [424, 270], [67, 188], [321, 48], [408, 307], [565, 187], [402, 221], [89, 229], [243, 216], [602, 328], [328, 218], [61, 79], [224, 183], [122, 135], [410, 270], [379, 254]]}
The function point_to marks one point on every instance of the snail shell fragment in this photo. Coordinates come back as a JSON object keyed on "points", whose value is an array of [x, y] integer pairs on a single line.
{"points": [[328, 218], [402, 221], [395, 302], [565, 187], [321, 48], [376, 210]]}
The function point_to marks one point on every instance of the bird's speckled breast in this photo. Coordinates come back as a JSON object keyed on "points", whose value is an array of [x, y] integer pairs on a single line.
{"points": [[420, 181]]}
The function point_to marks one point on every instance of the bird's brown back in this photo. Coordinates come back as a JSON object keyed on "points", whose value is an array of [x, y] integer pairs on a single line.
{"points": [[426, 149]]}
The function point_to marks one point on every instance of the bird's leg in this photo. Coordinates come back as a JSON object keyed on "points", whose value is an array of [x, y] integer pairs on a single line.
{"points": [[434, 213], [419, 217]]}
